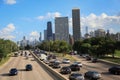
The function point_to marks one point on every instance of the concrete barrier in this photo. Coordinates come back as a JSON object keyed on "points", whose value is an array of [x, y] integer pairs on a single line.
{"points": [[57, 75]]}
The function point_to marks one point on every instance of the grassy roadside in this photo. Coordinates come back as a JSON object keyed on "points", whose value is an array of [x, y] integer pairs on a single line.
{"points": [[111, 59], [4, 60], [61, 55], [115, 60], [117, 53]]}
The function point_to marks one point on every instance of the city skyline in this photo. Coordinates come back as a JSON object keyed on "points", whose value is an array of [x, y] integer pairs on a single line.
{"points": [[20, 18]]}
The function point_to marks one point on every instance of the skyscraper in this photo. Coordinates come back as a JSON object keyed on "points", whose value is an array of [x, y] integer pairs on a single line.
{"points": [[45, 35], [40, 37], [49, 31], [76, 24], [61, 29]]}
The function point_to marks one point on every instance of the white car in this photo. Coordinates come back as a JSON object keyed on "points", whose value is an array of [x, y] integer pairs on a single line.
{"points": [[67, 61], [78, 63]]}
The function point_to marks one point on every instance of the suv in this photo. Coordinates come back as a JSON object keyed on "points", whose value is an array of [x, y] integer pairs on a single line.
{"points": [[92, 75], [28, 67], [114, 70]]}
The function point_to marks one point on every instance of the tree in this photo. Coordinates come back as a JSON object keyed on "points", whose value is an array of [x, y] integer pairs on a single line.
{"points": [[77, 46], [85, 48]]}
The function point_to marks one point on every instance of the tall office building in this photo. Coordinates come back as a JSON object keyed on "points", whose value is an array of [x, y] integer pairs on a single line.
{"points": [[76, 24], [45, 35], [61, 29], [49, 31], [40, 37]]}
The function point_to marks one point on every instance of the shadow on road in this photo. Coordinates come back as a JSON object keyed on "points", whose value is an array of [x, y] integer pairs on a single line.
{"points": [[4, 74], [105, 73], [21, 70]]}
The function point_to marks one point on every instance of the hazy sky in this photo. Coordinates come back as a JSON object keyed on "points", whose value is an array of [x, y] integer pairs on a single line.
{"points": [[20, 18]]}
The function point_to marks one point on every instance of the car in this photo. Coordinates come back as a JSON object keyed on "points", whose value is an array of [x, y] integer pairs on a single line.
{"points": [[13, 71], [66, 61], [46, 61], [94, 60], [78, 63], [74, 67], [76, 76], [65, 70], [56, 60], [114, 70], [28, 67], [91, 75], [51, 62], [88, 58], [56, 65]]}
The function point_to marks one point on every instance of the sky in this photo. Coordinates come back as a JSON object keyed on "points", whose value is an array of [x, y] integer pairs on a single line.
{"points": [[28, 18]]}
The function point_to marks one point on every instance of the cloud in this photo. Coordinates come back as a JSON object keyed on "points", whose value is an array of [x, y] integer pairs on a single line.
{"points": [[10, 2], [49, 16], [101, 21], [6, 32], [34, 35]]}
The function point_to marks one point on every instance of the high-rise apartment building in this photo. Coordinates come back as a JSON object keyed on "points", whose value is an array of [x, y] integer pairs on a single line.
{"points": [[76, 24], [49, 31], [61, 29]]}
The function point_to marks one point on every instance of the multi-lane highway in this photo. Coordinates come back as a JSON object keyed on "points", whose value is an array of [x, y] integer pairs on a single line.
{"points": [[38, 73], [100, 67]]}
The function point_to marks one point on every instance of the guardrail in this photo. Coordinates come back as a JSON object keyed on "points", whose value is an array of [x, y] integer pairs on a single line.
{"points": [[57, 75]]}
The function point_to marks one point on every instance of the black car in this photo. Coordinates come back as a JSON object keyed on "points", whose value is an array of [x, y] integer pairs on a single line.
{"points": [[28, 67], [88, 58], [92, 75], [51, 62], [65, 70], [114, 70], [76, 76], [13, 71], [74, 67]]}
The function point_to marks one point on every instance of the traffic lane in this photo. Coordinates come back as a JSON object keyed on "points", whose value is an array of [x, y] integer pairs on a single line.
{"points": [[88, 65], [100, 67], [19, 62], [38, 73], [13, 63]]}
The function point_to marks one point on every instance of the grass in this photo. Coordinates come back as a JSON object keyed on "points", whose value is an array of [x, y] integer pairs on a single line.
{"points": [[117, 53], [115, 60], [111, 59], [4, 60], [61, 55]]}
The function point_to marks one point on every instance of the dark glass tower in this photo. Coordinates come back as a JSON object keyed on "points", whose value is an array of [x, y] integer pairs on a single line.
{"points": [[76, 24], [49, 30]]}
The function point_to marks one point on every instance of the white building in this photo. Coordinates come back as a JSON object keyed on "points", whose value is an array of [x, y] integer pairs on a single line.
{"points": [[100, 33]]}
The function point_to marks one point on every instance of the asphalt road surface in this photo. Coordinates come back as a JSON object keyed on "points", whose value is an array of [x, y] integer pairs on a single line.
{"points": [[88, 66], [38, 73]]}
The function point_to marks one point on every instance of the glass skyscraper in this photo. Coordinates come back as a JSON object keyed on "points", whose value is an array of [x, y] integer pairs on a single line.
{"points": [[76, 24], [49, 31]]}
